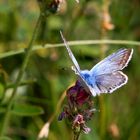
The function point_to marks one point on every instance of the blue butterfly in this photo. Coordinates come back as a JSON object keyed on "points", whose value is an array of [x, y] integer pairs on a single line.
{"points": [[106, 76]]}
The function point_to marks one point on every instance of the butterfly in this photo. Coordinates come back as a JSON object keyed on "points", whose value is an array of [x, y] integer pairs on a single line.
{"points": [[106, 76]]}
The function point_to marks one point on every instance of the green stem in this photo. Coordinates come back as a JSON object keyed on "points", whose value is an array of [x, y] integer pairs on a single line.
{"points": [[76, 135], [73, 43], [19, 77]]}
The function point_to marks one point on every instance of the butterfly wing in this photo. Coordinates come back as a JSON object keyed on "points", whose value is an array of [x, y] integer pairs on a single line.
{"points": [[107, 75], [115, 62], [107, 83], [76, 67]]}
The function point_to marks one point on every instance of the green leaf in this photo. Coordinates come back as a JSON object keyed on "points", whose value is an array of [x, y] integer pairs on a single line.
{"points": [[27, 110]]}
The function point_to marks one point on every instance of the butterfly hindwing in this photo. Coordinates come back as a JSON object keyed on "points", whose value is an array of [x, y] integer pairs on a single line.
{"points": [[107, 83]]}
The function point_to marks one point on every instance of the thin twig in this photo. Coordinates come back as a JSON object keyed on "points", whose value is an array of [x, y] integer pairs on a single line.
{"points": [[19, 77], [72, 43]]}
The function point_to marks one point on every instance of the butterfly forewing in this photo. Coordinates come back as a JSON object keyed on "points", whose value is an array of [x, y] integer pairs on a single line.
{"points": [[76, 67], [115, 62]]}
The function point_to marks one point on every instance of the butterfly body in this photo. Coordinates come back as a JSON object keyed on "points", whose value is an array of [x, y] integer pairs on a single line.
{"points": [[106, 76], [91, 82], [90, 79]]}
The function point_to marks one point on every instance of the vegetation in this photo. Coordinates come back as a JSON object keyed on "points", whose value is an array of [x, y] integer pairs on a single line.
{"points": [[35, 69]]}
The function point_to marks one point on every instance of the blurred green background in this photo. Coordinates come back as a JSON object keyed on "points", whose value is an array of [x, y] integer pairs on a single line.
{"points": [[48, 73]]}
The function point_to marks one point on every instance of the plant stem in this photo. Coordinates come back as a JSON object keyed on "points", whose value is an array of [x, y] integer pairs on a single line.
{"points": [[76, 135], [18, 80], [73, 43], [103, 49]]}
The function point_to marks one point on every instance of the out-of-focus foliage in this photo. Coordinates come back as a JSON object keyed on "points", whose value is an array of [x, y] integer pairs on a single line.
{"points": [[48, 73]]}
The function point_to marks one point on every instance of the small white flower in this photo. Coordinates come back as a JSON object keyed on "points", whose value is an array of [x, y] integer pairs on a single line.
{"points": [[44, 131]]}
